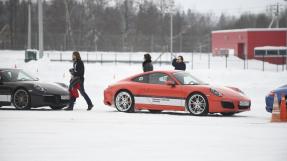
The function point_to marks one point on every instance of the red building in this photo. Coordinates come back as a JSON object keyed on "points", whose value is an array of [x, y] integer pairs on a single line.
{"points": [[244, 41]]}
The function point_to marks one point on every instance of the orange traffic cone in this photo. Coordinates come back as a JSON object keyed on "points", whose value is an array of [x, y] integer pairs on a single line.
{"points": [[283, 113], [275, 110]]}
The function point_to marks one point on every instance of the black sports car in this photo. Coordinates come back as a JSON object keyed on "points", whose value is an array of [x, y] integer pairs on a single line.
{"points": [[25, 92]]}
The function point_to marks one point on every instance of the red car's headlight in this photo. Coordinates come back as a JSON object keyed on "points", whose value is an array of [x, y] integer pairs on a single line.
{"points": [[215, 92]]}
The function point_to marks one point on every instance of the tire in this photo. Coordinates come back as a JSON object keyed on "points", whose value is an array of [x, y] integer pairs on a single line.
{"points": [[155, 111], [124, 102], [21, 99], [227, 113], [197, 104], [57, 107]]}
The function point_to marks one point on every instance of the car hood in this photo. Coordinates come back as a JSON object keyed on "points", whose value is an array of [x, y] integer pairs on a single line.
{"points": [[225, 91], [230, 91], [281, 90], [52, 88]]}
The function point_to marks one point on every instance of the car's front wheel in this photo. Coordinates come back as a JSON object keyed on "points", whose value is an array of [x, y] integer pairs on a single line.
{"points": [[124, 101], [21, 99], [197, 104]]}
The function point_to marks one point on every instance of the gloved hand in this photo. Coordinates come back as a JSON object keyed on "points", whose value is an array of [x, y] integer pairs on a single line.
{"points": [[72, 71]]}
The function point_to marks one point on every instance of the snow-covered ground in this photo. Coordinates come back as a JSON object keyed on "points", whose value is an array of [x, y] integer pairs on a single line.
{"points": [[104, 134]]}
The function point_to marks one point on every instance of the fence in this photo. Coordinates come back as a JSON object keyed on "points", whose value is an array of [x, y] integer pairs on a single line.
{"points": [[193, 60]]}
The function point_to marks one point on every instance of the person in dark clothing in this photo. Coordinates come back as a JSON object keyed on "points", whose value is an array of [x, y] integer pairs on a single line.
{"points": [[147, 64], [179, 63], [77, 73]]}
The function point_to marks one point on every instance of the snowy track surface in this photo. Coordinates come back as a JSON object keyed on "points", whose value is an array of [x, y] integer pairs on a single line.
{"points": [[106, 135]]}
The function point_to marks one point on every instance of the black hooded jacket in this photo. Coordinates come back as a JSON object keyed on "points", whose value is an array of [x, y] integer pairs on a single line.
{"points": [[78, 69], [147, 66], [178, 66]]}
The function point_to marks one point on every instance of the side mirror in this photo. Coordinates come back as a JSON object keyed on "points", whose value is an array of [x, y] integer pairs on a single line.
{"points": [[170, 83]]}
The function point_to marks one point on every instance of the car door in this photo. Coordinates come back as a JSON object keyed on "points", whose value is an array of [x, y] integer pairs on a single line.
{"points": [[5, 90], [159, 95]]}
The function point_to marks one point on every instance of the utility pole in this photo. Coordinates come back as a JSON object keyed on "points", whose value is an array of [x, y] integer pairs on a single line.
{"points": [[277, 15], [286, 40], [69, 32], [40, 23], [29, 25], [171, 9], [171, 36]]}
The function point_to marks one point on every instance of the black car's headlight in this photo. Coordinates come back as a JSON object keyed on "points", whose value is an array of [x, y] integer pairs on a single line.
{"points": [[39, 88], [215, 92]]}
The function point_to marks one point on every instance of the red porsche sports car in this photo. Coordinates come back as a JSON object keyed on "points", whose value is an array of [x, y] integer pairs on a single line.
{"points": [[174, 90]]}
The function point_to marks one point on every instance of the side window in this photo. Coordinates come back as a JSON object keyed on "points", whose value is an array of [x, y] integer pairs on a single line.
{"points": [[141, 79], [21, 76], [158, 78], [6, 76]]}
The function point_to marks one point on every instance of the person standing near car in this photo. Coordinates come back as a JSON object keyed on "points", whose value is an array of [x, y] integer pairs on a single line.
{"points": [[77, 81], [178, 63], [147, 64]]}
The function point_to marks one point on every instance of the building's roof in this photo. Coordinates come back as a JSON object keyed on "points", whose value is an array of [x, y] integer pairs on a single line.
{"points": [[250, 30]]}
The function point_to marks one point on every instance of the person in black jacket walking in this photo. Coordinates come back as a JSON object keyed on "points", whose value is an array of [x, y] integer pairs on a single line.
{"points": [[179, 63], [147, 64], [77, 73]]}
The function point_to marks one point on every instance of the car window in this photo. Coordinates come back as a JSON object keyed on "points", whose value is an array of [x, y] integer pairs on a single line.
{"points": [[158, 78], [187, 79], [15, 75], [6, 76], [141, 79], [23, 77]]}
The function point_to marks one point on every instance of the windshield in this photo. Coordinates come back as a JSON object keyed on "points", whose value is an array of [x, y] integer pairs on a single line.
{"points": [[13, 75], [187, 79]]}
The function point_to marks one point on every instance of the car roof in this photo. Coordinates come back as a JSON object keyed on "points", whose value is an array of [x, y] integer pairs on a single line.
{"points": [[161, 71], [9, 69], [155, 71]]}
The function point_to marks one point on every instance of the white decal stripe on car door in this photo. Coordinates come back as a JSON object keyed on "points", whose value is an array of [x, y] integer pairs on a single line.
{"points": [[160, 101], [5, 98]]}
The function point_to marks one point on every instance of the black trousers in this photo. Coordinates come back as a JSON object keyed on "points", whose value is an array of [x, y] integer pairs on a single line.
{"points": [[73, 82]]}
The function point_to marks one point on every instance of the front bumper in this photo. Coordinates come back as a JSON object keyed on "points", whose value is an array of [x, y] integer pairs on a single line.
{"points": [[39, 100], [229, 105], [108, 97]]}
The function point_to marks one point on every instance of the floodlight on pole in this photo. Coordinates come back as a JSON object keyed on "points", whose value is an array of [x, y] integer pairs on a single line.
{"points": [[171, 10], [29, 25], [40, 23]]}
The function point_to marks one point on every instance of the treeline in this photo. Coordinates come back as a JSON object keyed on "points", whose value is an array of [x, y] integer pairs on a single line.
{"points": [[118, 25]]}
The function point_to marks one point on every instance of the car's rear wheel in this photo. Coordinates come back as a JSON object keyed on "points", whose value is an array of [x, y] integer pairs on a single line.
{"points": [[227, 113], [57, 107], [197, 104], [155, 111], [124, 101], [21, 99]]}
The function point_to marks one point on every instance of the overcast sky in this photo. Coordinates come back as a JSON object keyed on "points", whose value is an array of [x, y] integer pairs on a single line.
{"points": [[234, 7]]}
